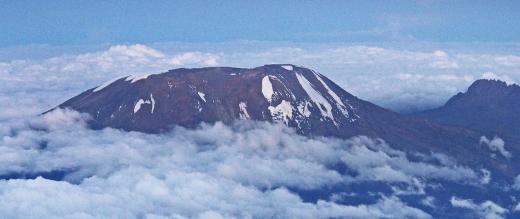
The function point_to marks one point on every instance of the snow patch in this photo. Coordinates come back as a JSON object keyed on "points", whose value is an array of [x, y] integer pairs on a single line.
{"points": [[202, 96], [140, 102], [282, 112], [303, 108], [199, 107], [322, 103], [135, 78], [288, 67], [336, 98], [103, 86], [331, 93], [153, 102], [267, 88], [243, 111]]}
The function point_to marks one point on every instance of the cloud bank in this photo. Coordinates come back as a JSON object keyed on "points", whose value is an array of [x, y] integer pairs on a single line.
{"points": [[55, 167]]}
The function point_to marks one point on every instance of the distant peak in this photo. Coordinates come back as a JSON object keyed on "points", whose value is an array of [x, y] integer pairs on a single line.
{"points": [[488, 82], [489, 85]]}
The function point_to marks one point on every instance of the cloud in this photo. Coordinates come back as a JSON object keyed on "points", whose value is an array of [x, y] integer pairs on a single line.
{"points": [[249, 169], [58, 119], [53, 199], [517, 207], [194, 57], [516, 184], [496, 144], [428, 201], [381, 163], [486, 209]]}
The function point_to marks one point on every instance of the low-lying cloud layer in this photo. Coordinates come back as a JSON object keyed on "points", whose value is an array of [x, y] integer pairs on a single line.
{"points": [[245, 170]]}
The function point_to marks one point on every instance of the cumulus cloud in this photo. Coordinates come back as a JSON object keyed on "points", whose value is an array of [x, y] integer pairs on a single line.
{"points": [[429, 201], [155, 198], [517, 207], [516, 183], [496, 145], [245, 170], [378, 162], [486, 209]]}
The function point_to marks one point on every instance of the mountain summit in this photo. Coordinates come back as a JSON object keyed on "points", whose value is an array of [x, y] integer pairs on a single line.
{"points": [[491, 106], [295, 96]]}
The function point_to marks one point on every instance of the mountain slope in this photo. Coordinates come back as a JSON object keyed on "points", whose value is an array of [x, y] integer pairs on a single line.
{"points": [[296, 96], [488, 105]]}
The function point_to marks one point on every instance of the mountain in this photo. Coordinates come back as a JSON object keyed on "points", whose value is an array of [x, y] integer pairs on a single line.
{"points": [[296, 96], [491, 106]]}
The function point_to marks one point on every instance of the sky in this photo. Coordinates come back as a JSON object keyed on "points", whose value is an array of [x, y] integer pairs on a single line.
{"points": [[85, 22]]}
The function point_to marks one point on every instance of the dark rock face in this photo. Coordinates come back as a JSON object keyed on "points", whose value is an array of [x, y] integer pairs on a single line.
{"points": [[296, 96], [490, 106], [187, 97]]}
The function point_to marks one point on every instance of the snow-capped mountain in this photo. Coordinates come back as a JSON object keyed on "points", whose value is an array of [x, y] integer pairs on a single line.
{"points": [[490, 106], [296, 96]]}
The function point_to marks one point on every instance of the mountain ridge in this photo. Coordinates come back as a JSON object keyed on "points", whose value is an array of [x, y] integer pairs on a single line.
{"points": [[298, 97], [490, 106]]}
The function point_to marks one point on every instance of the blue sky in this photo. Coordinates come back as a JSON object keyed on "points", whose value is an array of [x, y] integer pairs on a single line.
{"points": [[84, 22]]}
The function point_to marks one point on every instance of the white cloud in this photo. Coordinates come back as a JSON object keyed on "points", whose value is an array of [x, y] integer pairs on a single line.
{"points": [[429, 201], [516, 184], [486, 209], [496, 145], [58, 119], [53, 199], [137, 50], [379, 163], [517, 207], [194, 57], [486, 176], [237, 171]]}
